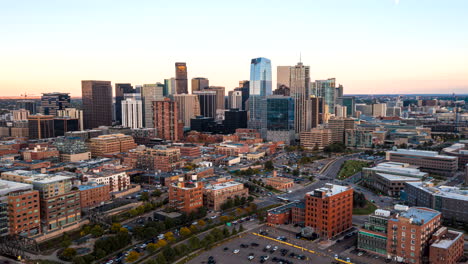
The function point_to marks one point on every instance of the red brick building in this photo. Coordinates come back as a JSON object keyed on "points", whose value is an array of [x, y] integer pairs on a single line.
{"points": [[39, 153], [447, 246], [280, 183], [165, 119], [22, 211], [186, 196], [329, 210], [286, 214], [189, 150], [409, 234], [92, 195], [218, 193]]}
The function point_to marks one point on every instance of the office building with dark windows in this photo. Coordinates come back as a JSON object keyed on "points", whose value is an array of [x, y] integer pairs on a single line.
{"points": [[52, 102], [97, 103], [181, 82]]}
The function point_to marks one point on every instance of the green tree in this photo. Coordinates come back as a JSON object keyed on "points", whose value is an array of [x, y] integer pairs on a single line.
{"points": [[185, 232], [269, 165], [226, 233], [156, 193], [241, 228], [194, 243], [152, 247], [145, 196], [68, 253], [132, 256], [97, 231], [116, 227], [160, 259]]}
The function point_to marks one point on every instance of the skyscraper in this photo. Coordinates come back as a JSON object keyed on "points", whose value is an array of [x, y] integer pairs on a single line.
{"points": [[97, 103], [280, 118], [169, 85], [28, 105], [312, 113], [260, 87], [188, 107], [326, 90], [235, 99], [282, 76], [299, 81], [52, 102], [220, 94], [166, 120], [149, 94], [244, 88], [41, 126], [199, 83], [207, 100], [73, 113], [120, 90], [181, 78], [132, 111], [350, 103]]}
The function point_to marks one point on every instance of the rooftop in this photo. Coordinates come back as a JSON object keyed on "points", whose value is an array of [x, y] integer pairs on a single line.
{"points": [[392, 177], [442, 191], [447, 240], [219, 186], [330, 189], [419, 215], [89, 187], [7, 187], [422, 153]]}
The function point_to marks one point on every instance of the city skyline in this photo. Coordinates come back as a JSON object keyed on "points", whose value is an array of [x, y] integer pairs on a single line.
{"points": [[371, 47]]}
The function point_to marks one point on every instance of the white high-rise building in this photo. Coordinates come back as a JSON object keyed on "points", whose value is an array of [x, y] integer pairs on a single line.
{"points": [[72, 113], [132, 111], [188, 107], [150, 93], [235, 99], [379, 110], [340, 111]]}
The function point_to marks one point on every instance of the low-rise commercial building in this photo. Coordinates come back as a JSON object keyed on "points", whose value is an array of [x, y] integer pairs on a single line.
{"points": [[459, 150], [116, 180], [280, 183], [389, 178], [217, 194], [429, 161], [450, 201], [446, 247], [316, 138], [93, 195], [39, 153], [111, 144], [157, 158]]}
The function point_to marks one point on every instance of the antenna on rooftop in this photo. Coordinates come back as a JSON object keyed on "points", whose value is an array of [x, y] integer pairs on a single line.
{"points": [[300, 57]]}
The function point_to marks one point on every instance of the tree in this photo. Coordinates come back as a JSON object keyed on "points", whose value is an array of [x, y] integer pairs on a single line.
{"points": [[185, 232], [132, 256], [241, 228], [269, 165], [116, 227], [68, 253], [233, 231], [161, 243], [152, 247], [250, 199], [97, 231], [169, 253], [193, 229], [145, 196], [160, 259], [156, 193], [194, 243], [201, 223], [226, 233], [295, 172]]}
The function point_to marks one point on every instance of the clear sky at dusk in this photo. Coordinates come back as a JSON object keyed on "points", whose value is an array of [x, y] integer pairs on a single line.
{"points": [[370, 46]]}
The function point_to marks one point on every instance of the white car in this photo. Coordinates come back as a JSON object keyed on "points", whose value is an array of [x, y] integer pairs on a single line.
{"points": [[235, 251], [268, 246], [213, 217], [275, 248], [250, 257]]}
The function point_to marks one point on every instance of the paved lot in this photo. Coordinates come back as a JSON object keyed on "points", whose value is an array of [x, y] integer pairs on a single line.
{"points": [[222, 256]]}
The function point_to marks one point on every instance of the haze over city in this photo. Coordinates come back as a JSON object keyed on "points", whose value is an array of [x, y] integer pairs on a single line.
{"points": [[371, 47]]}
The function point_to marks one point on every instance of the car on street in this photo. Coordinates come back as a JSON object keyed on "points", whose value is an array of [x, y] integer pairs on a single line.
{"points": [[235, 251]]}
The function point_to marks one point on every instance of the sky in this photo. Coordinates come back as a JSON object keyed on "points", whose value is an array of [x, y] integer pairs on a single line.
{"points": [[369, 46]]}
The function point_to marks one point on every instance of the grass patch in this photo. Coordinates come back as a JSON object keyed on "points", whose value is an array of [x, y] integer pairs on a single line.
{"points": [[351, 167], [366, 210]]}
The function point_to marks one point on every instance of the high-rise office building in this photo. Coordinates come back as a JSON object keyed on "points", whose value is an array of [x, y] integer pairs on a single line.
{"points": [[313, 112], [350, 103], [181, 78], [72, 113], [244, 88], [379, 110], [132, 111], [20, 114], [299, 81], [220, 94], [282, 76], [326, 90], [339, 91], [97, 103], [188, 107], [166, 120], [260, 87], [282, 90], [280, 118], [120, 90], [169, 86], [235, 99], [207, 100], [340, 111], [29, 105], [234, 119], [41, 126], [149, 94], [63, 125], [52, 102], [199, 84]]}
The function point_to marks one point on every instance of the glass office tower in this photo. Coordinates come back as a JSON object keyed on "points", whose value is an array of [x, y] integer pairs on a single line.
{"points": [[259, 88], [280, 113]]}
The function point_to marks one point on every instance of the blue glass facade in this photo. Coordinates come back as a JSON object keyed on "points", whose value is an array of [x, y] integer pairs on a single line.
{"points": [[280, 113], [260, 77], [260, 87]]}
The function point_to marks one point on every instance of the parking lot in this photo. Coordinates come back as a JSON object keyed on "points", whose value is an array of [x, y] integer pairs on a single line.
{"points": [[224, 253]]}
